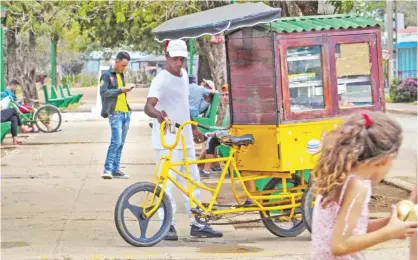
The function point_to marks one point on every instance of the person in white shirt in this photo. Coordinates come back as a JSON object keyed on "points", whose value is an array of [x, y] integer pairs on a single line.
{"points": [[168, 98]]}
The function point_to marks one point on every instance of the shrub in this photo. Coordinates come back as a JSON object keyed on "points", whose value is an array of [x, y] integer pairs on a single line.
{"points": [[403, 90], [79, 81]]}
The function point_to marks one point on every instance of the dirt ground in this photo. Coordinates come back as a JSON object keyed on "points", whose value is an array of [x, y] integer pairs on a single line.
{"points": [[383, 197]]}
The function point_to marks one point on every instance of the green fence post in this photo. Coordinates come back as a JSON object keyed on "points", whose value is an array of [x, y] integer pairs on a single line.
{"points": [[2, 80], [53, 63]]}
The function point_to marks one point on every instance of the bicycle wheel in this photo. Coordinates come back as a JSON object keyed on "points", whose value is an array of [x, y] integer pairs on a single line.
{"points": [[132, 224], [48, 118], [290, 228], [307, 209]]}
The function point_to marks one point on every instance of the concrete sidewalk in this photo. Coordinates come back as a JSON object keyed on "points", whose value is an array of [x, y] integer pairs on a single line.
{"points": [[402, 108], [55, 205], [54, 202]]}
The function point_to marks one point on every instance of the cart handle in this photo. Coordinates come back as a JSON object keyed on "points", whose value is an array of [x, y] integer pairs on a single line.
{"points": [[178, 134]]}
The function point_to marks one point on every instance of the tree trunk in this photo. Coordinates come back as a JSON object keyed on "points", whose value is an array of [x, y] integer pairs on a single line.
{"points": [[11, 46], [203, 70], [25, 65], [215, 54]]}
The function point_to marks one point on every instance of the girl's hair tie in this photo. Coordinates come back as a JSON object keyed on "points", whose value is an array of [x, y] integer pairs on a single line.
{"points": [[368, 120]]}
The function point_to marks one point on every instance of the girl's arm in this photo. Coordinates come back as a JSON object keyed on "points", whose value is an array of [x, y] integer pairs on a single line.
{"points": [[376, 224], [344, 242]]}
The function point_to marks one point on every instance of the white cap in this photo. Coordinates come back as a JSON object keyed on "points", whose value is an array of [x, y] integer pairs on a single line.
{"points": [[177, 48], [210, 83]]}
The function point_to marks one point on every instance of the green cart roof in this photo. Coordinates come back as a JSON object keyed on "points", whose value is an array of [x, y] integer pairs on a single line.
{"points": [[321, 22]]}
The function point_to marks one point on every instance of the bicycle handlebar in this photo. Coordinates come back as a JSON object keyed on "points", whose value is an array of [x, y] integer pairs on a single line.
{"points": [[178, 134]]}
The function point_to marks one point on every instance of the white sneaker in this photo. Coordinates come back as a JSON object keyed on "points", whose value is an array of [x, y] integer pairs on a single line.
{"points": [[107, 175]]}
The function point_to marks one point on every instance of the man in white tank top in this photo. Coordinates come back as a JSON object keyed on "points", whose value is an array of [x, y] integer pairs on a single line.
{"points": [[168, 97]]}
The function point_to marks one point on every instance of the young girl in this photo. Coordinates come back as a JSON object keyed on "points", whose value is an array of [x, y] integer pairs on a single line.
{"points": [[356, 155]]}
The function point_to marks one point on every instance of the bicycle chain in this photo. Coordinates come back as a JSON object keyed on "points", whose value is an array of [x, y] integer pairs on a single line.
{"points": [[206, 219]]}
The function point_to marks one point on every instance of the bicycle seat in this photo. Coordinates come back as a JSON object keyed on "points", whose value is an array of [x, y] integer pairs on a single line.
{"points": [[239, 140], [34, 100]]}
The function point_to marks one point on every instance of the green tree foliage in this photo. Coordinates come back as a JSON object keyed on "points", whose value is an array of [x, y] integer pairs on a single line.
{"points": [[118, 23], [26, 21]]}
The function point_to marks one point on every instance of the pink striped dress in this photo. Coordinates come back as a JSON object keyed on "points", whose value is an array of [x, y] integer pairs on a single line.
{"points": [[323, 224]]}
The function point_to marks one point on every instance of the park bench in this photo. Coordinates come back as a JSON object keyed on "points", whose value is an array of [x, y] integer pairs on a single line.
{"points": [[54, 95], [73, 100], [209, 117], [58, 102], [77, 96], [5, 129]]}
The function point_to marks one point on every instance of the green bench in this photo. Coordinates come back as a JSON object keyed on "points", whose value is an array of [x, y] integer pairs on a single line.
{"points": [[77, 97], [58, 102], [73, 100], [5, 129], [209, 118], [54, 95]]}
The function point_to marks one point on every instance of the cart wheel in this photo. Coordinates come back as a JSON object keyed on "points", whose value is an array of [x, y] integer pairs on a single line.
{"points": [[48, 118], [307, 208], [291, 228], [143, 232]]}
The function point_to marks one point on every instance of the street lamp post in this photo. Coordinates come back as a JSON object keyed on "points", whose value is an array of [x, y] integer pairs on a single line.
{"points": [[3, 16]]}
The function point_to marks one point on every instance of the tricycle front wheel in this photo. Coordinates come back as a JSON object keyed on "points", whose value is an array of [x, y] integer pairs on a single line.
{"points": [[290, 228], [131, 223]]}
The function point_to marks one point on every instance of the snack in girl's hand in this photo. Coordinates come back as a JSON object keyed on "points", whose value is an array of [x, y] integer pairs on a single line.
{"points": [[407, 211], [413, 214], [404, 207]]}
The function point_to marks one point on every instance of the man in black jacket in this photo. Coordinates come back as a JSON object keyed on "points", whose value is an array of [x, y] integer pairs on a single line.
{"points": [[116, 108]]}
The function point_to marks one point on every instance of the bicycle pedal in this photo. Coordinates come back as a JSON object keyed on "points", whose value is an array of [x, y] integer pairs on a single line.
{"points": [[196, 211]]}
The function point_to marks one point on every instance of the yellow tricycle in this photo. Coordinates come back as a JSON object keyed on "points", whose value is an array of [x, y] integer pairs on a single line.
{"points": [[278, 205], [290, 82]]}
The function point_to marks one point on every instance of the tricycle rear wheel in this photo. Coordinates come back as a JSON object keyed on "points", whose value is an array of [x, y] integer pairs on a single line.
{"points": [[297, 224], [307, 209]]}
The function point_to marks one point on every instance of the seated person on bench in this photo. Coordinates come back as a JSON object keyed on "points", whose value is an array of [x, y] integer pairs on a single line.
{"points": [[10, 92], [200, 96], [214, 142], [10, 114]]}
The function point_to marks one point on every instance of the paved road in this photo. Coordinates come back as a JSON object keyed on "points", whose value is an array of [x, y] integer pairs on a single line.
{"points": [[405, 167], [55, 206]]}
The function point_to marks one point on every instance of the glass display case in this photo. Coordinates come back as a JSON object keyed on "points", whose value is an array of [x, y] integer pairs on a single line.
{"points": [[305, 78], [329, 75]]}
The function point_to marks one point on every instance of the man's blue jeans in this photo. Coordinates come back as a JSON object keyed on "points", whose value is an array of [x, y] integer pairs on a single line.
{"points": [[119, 125]]}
